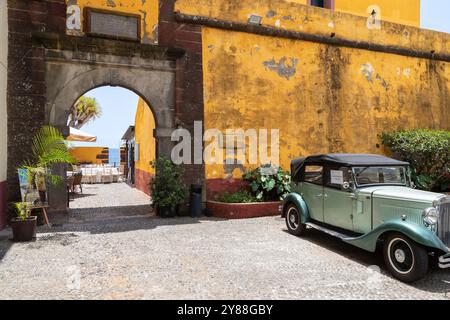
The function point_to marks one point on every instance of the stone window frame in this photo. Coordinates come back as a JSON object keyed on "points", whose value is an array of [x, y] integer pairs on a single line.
{"points": [[87, 23]]}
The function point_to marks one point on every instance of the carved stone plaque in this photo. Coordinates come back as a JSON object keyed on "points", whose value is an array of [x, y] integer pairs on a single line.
{"points": [[113, 25]]}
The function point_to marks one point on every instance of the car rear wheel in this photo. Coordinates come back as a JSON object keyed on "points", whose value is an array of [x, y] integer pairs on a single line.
{"points": [[406, 260], [294, 221]]}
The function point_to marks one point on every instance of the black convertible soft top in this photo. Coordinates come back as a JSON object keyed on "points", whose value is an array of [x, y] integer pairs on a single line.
{"points": [[345, 160]]}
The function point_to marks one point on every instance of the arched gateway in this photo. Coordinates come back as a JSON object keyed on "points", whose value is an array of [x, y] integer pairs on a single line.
{"points": [[74, 67]]}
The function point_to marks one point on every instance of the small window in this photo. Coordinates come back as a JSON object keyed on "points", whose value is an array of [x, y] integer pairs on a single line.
{"points": [[318, 3], [328, 4], [314, 174], [337, 176], [136, 152]]}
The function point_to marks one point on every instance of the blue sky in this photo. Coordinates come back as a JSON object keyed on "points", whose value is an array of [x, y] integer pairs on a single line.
{"points": [[119, 105], [436, 15], [119, 109]]}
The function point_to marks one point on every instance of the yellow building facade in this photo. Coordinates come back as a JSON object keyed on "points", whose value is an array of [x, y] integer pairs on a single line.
{"points": [[145, 144], [330, 80], [322, 98], [90, 155], [147, 10]]}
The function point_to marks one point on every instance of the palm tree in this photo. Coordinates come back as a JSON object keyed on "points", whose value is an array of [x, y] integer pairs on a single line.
{"points": [[83, 111], [48, 148]]}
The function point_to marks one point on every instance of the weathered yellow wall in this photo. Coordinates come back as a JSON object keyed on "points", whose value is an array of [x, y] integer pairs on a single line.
{"points": [[399, 11], [318, 21], [147, 9], [145, 123], [322, 98], [87, 154], [3, 78], [338, 100]]}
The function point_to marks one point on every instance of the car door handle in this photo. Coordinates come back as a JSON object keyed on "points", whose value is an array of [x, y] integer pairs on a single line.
{"points": [[319, 196], [353, 196]]}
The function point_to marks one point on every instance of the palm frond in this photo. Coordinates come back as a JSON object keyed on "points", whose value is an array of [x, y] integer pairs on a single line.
{"points": [[49, 147]]}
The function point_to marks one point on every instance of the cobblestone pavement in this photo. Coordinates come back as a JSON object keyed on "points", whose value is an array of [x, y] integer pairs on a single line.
{"points": [[102, 252]]}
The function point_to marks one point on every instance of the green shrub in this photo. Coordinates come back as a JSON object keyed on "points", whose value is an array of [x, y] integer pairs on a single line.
{"points": [[167, 189], [268, 183], [428, 152], [238, 197]]}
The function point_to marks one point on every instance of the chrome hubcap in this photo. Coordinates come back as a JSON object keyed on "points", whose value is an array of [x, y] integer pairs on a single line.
{"points": [[400, 255], [293, 218]]}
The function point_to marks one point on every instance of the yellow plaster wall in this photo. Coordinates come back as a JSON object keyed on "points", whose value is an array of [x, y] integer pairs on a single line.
{"points": [[148, 10], [338, 100], [145, 123], [87, 154], [398, 11], [307, 19], [322, 98]]}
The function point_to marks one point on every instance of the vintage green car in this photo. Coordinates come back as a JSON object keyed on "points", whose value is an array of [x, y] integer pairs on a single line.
{"points": [[369, 200]]}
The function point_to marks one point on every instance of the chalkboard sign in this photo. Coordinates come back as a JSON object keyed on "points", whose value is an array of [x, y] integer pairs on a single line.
{"points": [[111, 24]]}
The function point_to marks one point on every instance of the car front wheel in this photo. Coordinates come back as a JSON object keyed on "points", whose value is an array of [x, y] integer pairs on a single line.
{"points": [[294, 221], [406, 260]]}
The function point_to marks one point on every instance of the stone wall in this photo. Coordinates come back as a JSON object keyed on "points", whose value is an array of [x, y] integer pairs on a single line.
{"points": [[3, 118], [189, 76], [26, 77]]}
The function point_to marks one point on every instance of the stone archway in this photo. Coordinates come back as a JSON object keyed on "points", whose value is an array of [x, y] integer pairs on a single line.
{"points": [[70, 72]]}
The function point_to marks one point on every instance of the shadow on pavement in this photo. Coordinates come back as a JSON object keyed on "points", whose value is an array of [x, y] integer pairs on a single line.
{"points": [[113, 220], [437, 281]]}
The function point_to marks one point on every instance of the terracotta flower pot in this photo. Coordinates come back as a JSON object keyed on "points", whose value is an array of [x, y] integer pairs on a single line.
{"points": [[24, 230]]}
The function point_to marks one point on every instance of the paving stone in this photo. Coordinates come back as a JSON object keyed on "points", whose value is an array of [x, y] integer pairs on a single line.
{"points": [[105, 252]]}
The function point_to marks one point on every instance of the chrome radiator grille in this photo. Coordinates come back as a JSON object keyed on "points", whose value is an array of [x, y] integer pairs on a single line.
{"points": [[444, 222]]}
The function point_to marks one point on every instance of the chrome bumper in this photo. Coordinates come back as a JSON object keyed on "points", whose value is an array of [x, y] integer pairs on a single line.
{"points": [[444, 261]]}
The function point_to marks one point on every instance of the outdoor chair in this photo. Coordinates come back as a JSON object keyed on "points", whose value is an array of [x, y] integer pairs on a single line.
{"points": [[98, 176], [77, 178], [88, 176], [107, 176], [115, 175]]}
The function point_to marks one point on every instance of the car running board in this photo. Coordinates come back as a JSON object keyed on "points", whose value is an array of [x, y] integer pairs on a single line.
{"points": [[331, 232]]}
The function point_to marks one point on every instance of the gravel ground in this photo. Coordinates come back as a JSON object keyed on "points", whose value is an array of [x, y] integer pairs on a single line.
{"points": [[103, 252]]}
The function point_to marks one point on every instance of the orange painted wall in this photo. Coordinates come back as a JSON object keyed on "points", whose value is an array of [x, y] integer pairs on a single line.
{"points": [[87, 154]]}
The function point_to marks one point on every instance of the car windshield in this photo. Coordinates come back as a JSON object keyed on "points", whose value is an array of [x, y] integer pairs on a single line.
{"points": [[380, 175]]}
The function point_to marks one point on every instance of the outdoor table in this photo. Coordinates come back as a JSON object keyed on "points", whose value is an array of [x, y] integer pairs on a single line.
{"points": [[43, 206]]}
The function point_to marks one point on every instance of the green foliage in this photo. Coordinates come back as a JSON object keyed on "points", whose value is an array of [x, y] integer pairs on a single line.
{"points": [[23, 210], [268, 183], [86, 109], [48, 148], [428, 152], [167, 189], [238, 197]]}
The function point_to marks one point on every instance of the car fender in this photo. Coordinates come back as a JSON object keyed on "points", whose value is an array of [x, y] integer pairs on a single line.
{"points": [[298, 200], [414, 231]]}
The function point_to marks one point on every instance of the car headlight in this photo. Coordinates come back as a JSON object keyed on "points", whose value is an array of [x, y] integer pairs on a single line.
{"points": [[430, 216]]}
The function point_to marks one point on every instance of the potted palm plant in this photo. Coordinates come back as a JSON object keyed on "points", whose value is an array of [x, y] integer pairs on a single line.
{"points": [[24, 225], [48, 148], [167, 190]]}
